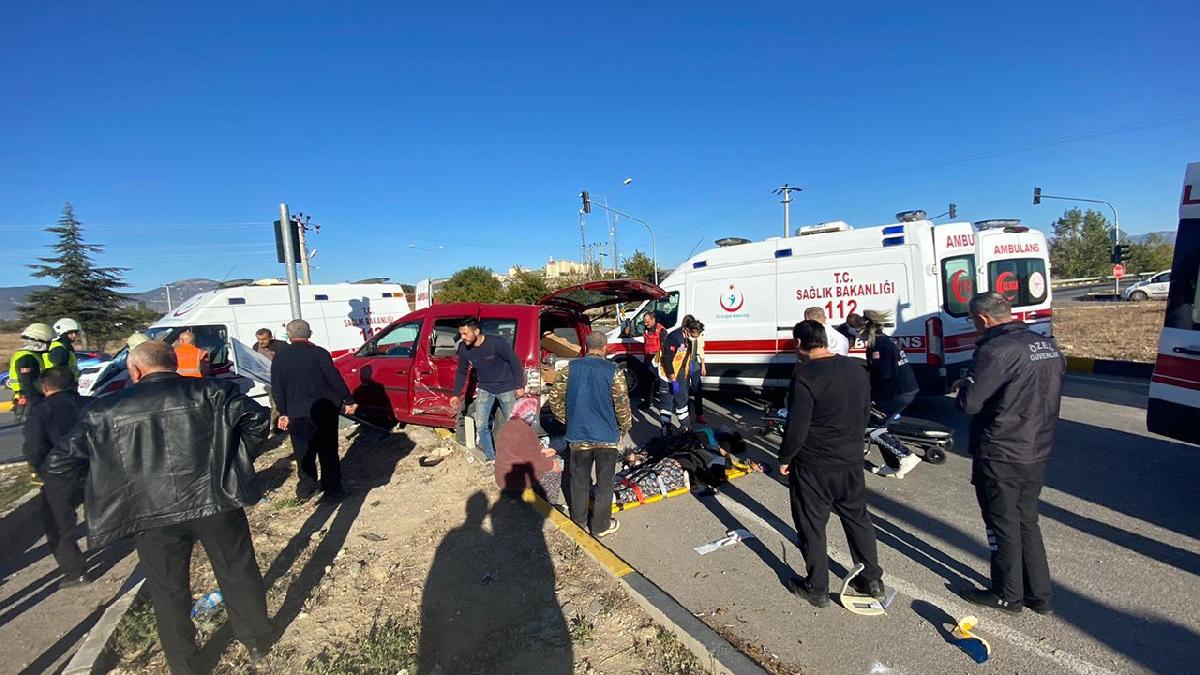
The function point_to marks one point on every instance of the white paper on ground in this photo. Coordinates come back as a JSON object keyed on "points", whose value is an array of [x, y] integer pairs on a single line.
{"points": [[731, 537]]}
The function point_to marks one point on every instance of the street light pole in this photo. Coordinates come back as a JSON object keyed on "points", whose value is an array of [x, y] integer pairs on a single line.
{"points": [[653, 242], [1038, 196]]}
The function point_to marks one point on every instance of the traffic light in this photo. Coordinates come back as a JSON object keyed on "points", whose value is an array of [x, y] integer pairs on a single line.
{"points": [[1037, 195], [587, 201], [1119, 253], [953, 211]]}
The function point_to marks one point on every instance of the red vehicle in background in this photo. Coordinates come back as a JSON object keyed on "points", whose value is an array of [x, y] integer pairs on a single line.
{"points": [[405, 373]]}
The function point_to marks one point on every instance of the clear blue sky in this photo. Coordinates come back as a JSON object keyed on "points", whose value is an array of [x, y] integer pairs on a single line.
{"points": [[177, 128]]}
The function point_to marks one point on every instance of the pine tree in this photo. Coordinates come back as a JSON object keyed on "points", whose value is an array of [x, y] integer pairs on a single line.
{"points": [[85, 292], [1080, 245]]}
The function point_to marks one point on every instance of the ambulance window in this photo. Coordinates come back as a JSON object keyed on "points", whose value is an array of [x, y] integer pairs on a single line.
{"points": [[667, 310], [214, 340], [1022, 280], [958, 283], [1183, 300], [397, 342]]}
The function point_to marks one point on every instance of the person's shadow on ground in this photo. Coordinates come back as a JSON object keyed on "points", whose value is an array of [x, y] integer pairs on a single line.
{"points": [[489, 602]]}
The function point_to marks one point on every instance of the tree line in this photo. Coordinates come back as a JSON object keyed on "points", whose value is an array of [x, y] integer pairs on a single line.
{"points": [[526, 287], [1081, 246]]}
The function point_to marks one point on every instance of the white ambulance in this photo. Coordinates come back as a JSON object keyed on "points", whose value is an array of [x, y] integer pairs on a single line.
{"points": [[224, 321], [1175, 387], [749, 295]]}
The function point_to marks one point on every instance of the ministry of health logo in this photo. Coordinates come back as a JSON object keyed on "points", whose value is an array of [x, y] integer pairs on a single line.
{"points": [[732, 300]]}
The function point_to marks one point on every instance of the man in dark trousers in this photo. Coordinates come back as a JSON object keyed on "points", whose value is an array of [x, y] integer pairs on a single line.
{"points": [[170, 461], [1012, 392], [654, 335], [591, 397], [499, 379], [821, 454], [49, 420], [309, 392]]}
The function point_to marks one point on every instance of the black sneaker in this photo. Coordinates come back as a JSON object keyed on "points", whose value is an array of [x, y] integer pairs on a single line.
{"points": [[75, 582], [305, 491], [875, 589], [1043, 608], [978, 596], [799, 587]]}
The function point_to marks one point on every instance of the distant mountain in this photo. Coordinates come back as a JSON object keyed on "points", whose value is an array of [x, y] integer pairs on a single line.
{"points": [[180, 290], [1168, 235], [12, 297]]}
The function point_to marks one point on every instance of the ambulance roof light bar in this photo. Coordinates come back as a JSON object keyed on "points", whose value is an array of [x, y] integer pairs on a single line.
{"points": [[732, 241], [1006, 224], [821, 228], [911, 216]]}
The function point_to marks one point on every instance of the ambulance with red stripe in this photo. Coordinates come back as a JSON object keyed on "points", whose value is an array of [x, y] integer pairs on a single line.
{"points": [[1175, 386], [749, 295]]}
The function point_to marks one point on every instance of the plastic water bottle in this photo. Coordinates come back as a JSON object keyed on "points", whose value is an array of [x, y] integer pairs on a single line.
{"points": [[207, 604]]}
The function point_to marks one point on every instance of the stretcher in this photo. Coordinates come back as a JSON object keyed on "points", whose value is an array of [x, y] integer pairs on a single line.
{"points": [[735, 470]]}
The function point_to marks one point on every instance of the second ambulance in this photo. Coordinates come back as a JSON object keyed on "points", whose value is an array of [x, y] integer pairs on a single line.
{"points": [[749, 295]]}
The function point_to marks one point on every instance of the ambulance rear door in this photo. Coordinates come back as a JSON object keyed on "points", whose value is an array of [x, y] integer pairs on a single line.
{"points": [[958, 277], [1014, 264]]}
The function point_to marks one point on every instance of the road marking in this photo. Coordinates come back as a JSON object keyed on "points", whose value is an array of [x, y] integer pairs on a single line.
{"points": [[1062, 658]]}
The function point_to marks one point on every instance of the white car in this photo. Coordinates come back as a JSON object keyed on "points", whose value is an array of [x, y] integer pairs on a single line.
{"points": [[1151, 288]]}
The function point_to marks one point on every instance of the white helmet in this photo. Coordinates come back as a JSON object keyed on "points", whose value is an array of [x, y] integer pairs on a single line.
{"points": [[65, 325], [38, 331], [137, 339]]}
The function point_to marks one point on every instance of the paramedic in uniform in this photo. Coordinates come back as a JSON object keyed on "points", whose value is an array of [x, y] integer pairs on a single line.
{"points": [[1012, 393], [654, 336], [821, 455], [675, 365]]}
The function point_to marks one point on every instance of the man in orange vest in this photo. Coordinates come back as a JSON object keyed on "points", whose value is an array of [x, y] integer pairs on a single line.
{"points": [[193, 361]]}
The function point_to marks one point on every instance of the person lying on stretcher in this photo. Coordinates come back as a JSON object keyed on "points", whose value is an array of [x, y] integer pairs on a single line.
{"points": [[705, 453]]}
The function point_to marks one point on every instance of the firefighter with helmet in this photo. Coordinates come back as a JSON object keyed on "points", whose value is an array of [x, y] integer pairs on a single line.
{"points": [[61, 353], [26, 365]]}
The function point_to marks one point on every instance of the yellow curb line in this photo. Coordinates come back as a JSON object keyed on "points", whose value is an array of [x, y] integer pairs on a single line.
{"points": [[6, 406], [1081, 364], [586, 541]]}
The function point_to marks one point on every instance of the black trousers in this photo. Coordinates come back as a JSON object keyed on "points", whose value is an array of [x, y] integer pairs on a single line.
{"points": [[582, 461], [816, 493], [165, 554], [1008, 496], [316, 438], [59, 501]]}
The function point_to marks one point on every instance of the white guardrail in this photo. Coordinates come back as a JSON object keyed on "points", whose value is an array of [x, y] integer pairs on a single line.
{"points": [[1091, 281]]}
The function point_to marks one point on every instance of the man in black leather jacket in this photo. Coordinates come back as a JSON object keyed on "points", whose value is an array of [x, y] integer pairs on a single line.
{"points": [[1012, 393], [169, 462]]}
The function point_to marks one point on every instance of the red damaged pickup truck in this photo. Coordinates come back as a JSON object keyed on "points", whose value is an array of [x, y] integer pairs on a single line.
{"points": [[405, 373]]}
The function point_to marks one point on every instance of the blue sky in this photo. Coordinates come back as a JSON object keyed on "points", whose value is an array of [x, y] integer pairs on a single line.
{"points": [[177, 129]]}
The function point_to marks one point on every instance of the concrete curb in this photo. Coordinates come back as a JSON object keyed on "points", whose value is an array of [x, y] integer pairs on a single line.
{"points": [[1082, 364], [94, 655], [715, 653]]}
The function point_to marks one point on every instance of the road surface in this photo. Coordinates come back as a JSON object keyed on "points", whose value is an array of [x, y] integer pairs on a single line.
{"points": [[1117, 514], [10, 432]]}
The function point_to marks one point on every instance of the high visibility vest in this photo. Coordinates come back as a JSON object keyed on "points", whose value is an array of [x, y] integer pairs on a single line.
{"points": [[72, 361], [14, 378], [189, 360]]}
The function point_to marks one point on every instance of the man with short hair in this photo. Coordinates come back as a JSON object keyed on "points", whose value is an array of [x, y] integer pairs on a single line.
{"points": [[838, 344], [170, 461], [591, 397], [193, 361], [821, 454], [309, 392], [499, 379], [1012, 392], [266, 345], [653, 336], [49, 420]]}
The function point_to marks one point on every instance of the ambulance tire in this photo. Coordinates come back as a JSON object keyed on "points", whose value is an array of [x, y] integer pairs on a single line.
{"points": [[636, 377]]}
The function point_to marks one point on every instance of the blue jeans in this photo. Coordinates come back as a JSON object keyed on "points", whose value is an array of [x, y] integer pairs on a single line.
{"points": [[485, 402]]}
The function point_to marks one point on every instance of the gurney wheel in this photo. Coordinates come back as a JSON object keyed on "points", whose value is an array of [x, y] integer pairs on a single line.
{"points": [[934, 455]]}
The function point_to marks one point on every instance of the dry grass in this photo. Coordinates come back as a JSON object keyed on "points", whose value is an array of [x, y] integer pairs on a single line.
{"points": [[8, 344], [1110, 330]]}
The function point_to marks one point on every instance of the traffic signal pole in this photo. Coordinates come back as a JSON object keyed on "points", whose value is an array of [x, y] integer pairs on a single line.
{"points": [[1038, 197]]}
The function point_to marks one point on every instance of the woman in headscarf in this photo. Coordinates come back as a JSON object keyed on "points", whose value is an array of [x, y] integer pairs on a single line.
{"points": [[521, 460], [893, 388]]}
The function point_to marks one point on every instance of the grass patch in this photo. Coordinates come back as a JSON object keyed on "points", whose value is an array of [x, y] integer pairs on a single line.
{"points": [[581, 629], [136, 634], [389, 647], [14, 484], [669, 655], [285, 504], [1124, 331]]}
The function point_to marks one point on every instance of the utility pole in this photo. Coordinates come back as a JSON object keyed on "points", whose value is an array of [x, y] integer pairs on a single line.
{"points": [[787, 190], [302, 227], [167, 288], [289, 256], [582, 240]]}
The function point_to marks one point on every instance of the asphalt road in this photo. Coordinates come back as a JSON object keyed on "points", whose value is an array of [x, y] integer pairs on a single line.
{"points": [[10, 432], [1119, 522]]}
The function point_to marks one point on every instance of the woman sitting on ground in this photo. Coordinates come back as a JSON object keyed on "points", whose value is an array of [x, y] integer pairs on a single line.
{"points": [[521, 460]]}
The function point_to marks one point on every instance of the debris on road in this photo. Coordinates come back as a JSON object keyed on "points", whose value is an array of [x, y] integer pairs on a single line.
{"points": [[731, 538], [975, 647]]}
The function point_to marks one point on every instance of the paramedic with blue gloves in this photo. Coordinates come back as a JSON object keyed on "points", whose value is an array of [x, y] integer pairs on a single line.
{"points": [[674, 374], [1012, 393]]}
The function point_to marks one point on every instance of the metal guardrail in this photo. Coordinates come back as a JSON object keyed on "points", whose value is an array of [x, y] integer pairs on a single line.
{"points": [[1089, 281]]}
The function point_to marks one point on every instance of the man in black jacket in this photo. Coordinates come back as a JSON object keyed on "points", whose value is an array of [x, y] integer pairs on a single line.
{"points": [[49, 420], [821, 454], [169, 461], [1012, 392], [308, 393]]}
